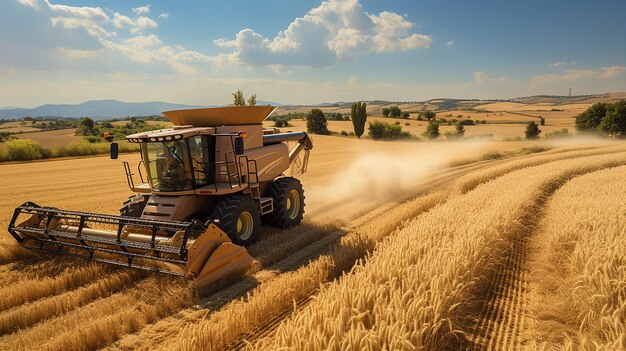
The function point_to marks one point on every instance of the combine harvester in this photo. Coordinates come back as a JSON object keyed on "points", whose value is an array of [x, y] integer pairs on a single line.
{"points": [[205, 187]]}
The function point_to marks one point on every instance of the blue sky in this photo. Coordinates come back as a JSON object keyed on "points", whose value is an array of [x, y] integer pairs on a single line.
{"points": [[304, 52]]}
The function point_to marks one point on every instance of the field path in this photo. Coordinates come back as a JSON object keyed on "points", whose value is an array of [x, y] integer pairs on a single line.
{"points": [[503, 319]]}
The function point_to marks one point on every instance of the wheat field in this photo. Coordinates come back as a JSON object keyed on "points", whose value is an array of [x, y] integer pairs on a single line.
{"points": [[437, 248]]}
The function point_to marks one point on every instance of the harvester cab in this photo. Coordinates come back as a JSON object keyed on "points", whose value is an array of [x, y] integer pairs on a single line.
{"points": [[201, 191]]}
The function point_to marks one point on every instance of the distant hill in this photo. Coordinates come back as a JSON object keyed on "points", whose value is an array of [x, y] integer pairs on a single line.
{"points": [[102, 109], [96, 109]]}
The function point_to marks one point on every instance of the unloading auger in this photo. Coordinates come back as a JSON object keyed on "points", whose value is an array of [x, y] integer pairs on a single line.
{"points": [[206, 185]]}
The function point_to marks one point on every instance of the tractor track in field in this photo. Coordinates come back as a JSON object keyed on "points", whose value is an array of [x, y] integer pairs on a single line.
{"points": [[504, 316], [268, 329]]}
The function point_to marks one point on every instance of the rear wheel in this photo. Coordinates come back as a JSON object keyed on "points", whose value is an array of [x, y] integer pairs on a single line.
{"points": [[239, 218], [288, 196], [133, 207]]}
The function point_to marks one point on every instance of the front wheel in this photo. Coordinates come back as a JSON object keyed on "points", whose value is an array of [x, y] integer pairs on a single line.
{"points": [[239, 218], [288, 196]]}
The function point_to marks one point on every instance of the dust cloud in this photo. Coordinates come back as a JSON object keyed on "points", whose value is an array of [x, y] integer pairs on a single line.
{"points": [[378, 177]]}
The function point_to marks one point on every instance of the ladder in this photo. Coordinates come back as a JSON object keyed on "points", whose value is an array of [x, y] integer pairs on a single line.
{"points": [[266, 204]]}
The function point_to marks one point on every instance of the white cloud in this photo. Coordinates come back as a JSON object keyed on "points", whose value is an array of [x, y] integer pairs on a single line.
{"points": [[111, 46], [77, 54], [95, 13], [571, 75], [145, 22], [142, 10], [561, 63], [450, 43], [121, 21], [32, 3], [481, 77], [335, 29], [88, 25], [164, 15]]}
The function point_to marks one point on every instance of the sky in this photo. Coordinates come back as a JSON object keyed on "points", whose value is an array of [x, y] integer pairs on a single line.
{"points": [[307, 52]]}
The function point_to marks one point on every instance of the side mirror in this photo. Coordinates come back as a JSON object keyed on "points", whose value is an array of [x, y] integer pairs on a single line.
{"points": [[239, 149], [114, 151]]}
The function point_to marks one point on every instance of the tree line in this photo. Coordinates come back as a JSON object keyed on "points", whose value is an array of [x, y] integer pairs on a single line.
{"points": [[608, 119]]}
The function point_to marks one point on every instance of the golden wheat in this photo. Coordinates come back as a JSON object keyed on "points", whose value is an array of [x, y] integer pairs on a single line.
{"points": [[419, 289], [451, 241], [579, 276]]}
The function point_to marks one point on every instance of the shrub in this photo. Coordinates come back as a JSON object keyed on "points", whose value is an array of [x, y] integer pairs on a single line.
{"points": [[432, 130], [459, 130], [467, 122], [491, 156], [281, 122], [85, 148], [405, 115], [344, 133], [428, 115], [22, 150], [382, 130], [532, 131], [395, 111], [93, 139], [534, 149], [558, 134]]}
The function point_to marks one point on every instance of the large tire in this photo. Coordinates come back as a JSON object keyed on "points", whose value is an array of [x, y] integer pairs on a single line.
{"points": [[288, 196], [239, 218], [133, 207]]}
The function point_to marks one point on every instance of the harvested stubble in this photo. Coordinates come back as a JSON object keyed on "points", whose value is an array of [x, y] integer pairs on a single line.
{"points": [[38, 287], [424, 286], [105, 320], [26, 315], [578, 275]]}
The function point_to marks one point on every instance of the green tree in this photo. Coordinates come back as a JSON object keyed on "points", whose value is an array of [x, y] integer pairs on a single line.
{"points": [[428, 115], [386, 111], [614, 123], [532, 131], [316, 122], [542, 121], [358, 115], [395, 111], [590, 119], [432, 130], [405, 115], [238, 99], [459, 130], [252, 100], [87, 123]]}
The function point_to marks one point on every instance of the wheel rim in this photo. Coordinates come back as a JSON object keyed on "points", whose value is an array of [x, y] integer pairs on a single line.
{"points": [[245, 225], [293, 204]]}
